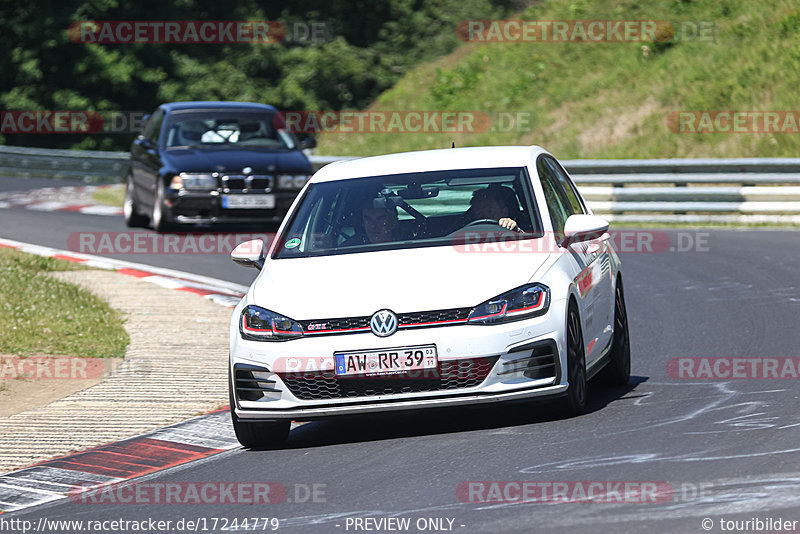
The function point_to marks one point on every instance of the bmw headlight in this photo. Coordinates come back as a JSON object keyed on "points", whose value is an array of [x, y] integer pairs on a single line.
{"points": [[204, 182], [263, 325], [523, 302], [292, 182]]}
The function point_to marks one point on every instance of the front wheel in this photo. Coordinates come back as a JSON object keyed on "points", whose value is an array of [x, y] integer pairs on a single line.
{"points": [[260, 435], [160, 219], [133, 219], [617, 371], [575, 401], [257, 435]]}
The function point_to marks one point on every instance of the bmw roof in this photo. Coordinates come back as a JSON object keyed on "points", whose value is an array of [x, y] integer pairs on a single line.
{"points": [[211, 104]]}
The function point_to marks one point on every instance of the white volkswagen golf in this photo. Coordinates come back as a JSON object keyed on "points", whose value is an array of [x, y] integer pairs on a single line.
{"points": [[426, 279]]}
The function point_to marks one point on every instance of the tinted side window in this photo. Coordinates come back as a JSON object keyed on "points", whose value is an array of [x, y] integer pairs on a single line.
{"points": [[557, 204], [153, 126], [566, 186]]}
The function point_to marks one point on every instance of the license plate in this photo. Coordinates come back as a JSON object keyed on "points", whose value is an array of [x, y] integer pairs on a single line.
{"points": [[386, 361], [249, 201]]}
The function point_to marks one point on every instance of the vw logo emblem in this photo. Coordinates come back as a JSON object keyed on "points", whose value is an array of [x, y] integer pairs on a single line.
{"points": [[383, 323]]}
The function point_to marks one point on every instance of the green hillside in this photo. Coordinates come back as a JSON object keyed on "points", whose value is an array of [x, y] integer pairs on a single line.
{"points": [[611, 100]]}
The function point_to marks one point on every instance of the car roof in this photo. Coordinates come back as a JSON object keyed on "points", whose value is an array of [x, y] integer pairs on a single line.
{"points": [[430, 160], [211, 104]]}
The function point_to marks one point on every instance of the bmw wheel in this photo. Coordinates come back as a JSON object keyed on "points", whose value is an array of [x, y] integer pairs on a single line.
{"points": [[133, 219], [160, 219]]}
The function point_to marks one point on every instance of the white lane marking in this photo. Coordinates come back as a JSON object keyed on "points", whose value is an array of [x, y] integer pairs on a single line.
{"points": [[47, 206], [101, 210]]}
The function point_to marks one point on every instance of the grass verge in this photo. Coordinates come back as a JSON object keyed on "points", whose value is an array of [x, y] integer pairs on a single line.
{"points": [[42, 315], [610, 100], [113, 195]]}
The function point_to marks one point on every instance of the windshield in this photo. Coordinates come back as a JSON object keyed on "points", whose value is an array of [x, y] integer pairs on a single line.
{"points": [[227, 129], [409, 211]]}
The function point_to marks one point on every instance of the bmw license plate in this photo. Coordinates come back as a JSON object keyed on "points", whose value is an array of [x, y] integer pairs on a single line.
{"points": [[249, 201], [399, 360]]}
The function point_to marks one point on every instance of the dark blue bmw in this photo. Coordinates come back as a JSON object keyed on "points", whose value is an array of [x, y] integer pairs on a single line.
{"points": [[213, 162]]}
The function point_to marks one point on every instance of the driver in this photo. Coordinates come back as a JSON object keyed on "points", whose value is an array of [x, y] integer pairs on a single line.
{"points": [[489, 204], [380, 225]]}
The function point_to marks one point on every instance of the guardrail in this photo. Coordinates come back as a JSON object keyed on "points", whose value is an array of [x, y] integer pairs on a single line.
{"points": [[88, 166], [738, 190]]}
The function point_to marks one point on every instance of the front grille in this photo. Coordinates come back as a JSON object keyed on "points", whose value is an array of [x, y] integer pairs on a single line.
{"points": [[329, 326], [449, 375], [405, 320], [433, 317], [252, 183]]}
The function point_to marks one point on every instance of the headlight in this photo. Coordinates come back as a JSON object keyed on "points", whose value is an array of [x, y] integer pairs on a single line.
{"points": [[527, 301], [195, 181], [292, 182], [263, 325]]}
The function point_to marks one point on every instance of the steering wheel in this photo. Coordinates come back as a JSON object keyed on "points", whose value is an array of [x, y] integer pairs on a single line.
{"points": [[482, 221]]}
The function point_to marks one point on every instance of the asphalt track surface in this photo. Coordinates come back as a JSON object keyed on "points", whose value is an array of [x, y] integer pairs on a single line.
{"points": [[728, 448]]}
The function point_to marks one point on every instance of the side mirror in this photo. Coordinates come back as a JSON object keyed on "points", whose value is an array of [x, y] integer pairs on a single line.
{"points": [[583, 228], [144, 142], [308, 142], [249, 254]]}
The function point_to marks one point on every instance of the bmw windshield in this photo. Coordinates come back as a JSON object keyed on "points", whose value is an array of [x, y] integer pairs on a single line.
{"points": [[226, 129], [410, 210]]}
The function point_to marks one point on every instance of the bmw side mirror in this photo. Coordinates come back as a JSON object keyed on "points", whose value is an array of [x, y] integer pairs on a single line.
{"points": [[144, 142], [580, 228], [249, 254], [308, 142]]}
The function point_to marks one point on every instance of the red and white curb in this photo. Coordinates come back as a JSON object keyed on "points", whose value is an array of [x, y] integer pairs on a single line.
{"points": [[219, 291], [70, 198], [161, 449], [88, 470]]}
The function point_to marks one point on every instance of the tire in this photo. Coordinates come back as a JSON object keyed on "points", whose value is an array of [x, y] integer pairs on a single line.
{"points": [[133, 219], [258, 435], [577, 392], [261, 435], [617, 371], [160, 220]]}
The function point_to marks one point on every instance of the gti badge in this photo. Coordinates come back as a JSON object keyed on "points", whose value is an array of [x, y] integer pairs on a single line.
{"points": [[383, 323]]}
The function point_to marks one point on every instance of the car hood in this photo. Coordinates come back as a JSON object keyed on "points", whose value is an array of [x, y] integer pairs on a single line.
{"points": [[233, 160], [352, 285]]}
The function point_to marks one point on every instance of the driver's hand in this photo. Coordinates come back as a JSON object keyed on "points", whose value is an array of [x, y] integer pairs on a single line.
{"points": [[509, 224]]}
